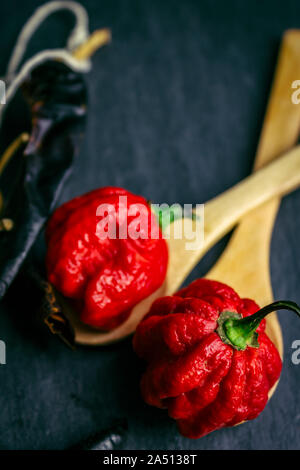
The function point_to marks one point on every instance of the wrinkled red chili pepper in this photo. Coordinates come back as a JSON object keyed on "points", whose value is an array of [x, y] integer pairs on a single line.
{"points": [[206, 364], [105, 276]]}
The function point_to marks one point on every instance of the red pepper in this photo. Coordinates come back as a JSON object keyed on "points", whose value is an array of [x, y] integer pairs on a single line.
{"points": [[105, 276], [206, 364]]}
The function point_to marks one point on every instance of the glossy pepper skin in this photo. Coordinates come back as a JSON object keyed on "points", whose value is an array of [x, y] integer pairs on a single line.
{"points": [[104, 276], [204, 383]]}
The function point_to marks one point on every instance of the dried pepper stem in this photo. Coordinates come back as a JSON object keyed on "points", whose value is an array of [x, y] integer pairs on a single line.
{"points": [[99, 38], [7, 224], [11, 149]]}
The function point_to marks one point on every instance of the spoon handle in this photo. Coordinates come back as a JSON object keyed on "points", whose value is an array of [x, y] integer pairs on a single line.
{"points": [[276, 179], [223, 212]]}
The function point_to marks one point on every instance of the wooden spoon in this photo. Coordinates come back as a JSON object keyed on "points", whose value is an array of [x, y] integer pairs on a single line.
{"points": [[282, 135], [244, 264], [221, 214]]}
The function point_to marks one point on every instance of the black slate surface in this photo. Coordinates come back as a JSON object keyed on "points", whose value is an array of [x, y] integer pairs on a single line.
{"points": [[176, 106]]}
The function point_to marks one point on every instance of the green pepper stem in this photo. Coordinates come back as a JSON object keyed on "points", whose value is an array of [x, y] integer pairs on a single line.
{"points": [[252, 322], [165, 214], [241, 332]]}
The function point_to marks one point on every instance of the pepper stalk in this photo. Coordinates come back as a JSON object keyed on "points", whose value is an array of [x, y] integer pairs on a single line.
{"points": [[240, 332], [165, 215]]}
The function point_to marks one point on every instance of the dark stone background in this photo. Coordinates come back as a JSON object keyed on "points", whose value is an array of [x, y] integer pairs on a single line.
{"points": [[176, 106]]}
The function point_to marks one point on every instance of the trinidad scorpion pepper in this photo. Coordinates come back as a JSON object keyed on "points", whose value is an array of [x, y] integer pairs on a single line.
{"points": [[210, 362], [105, 274]]}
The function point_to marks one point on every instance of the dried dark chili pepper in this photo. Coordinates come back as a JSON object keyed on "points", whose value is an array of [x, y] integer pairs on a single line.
{"points": [[31, 181], [211, 363], [35, 166]]}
